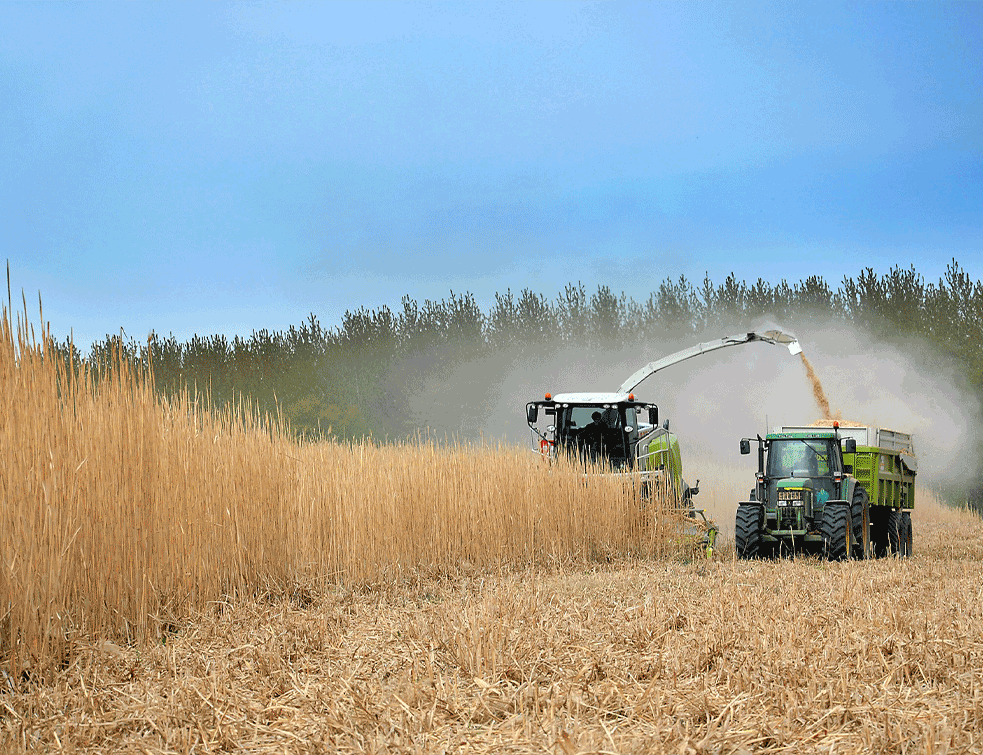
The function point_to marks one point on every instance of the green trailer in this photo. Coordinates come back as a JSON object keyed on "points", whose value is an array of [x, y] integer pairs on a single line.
{"points": [[842, 491]]}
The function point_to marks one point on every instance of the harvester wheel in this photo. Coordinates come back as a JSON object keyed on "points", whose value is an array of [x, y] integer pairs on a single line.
{"points": [[836, 531], [906, 535], [860, 515], [748, 528]]}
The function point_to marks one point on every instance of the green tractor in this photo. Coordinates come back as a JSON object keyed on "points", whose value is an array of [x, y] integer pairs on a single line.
{"points": [[838, 492]]}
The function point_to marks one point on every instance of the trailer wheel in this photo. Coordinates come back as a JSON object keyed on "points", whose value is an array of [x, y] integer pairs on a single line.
{"points": [[906, 535], [860, 516], [878, 535], [894, 531], [748, 529], [836, 529], [886, 531]]}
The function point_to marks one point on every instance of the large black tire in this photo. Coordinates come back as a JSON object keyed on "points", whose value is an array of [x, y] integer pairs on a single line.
{"points": [[886, 531], [894, 532], [748, 528], [836, 529], [860, 516], [878, 534], [906, 535]]}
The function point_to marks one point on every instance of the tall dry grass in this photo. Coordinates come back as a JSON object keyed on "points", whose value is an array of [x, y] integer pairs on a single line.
{"points": [[123, 512]]}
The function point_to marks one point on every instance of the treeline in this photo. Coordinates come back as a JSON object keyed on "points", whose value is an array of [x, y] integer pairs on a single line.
{"points": [[356, 378]]}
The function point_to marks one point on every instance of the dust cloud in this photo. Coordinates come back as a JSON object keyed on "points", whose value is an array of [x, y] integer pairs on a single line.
{"points": [[714, 400]]}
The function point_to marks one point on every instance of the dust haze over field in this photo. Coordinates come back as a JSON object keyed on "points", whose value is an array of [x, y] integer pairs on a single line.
{"points": [[715, 399]]}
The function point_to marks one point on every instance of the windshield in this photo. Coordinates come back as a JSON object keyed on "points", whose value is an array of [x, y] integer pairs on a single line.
{"points": [[799, 458], [578, 417], [595, 429]]}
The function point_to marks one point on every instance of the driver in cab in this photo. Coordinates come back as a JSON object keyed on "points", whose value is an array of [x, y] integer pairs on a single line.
{"points": [[601, 434], [592, 435]]}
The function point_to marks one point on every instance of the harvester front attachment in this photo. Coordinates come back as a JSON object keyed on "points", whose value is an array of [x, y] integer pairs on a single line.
{"points": [[700, 532]]}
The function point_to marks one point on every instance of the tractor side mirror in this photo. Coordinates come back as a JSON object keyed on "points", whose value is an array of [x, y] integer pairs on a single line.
{"points": [[532, 413], [653, 415], [850, 446], [745, 446]]}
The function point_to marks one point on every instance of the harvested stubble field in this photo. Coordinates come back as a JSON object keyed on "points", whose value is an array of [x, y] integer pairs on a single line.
{"points": [[632, 656], [178, 581]]}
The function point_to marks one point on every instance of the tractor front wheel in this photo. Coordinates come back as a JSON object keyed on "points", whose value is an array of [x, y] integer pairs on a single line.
{"points": [[748, 529], [836, 529]]}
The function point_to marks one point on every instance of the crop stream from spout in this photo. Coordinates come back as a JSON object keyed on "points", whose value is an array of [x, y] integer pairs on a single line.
{"points": [[817, 387]]}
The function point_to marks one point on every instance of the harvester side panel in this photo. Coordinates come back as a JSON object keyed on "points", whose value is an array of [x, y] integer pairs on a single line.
{"points": [[662, 452]]}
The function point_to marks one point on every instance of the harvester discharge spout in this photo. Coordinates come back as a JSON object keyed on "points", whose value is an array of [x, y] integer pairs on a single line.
{"points": [[767, 336], [777, 336]]}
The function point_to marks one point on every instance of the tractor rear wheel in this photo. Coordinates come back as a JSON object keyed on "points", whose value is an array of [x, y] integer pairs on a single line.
{"points": [[836, 529], [906, 535], [860, 515], [748, 529]]}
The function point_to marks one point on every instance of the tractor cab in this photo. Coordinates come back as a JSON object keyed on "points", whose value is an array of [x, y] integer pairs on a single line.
{"points": [[600, 427], [807, 471]]}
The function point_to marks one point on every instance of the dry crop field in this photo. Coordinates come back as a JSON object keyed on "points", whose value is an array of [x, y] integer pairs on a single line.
{"points": [[176, 580]]}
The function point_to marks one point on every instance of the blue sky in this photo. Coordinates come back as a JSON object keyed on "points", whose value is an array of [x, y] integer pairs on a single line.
{"points": [[219, 168]]}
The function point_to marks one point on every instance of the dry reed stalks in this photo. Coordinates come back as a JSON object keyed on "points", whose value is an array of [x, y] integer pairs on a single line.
{"points": [[123, 513]]}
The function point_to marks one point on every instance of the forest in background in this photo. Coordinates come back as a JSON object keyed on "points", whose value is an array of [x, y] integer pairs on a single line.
{"points": [[355, 379]]}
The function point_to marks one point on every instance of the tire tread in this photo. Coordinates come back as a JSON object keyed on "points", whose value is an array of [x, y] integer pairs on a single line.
{"points": [[836, 531], [748, 529]]}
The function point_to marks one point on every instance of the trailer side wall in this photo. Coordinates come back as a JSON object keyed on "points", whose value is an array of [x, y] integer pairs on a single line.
{"points": [[883, 476]]}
